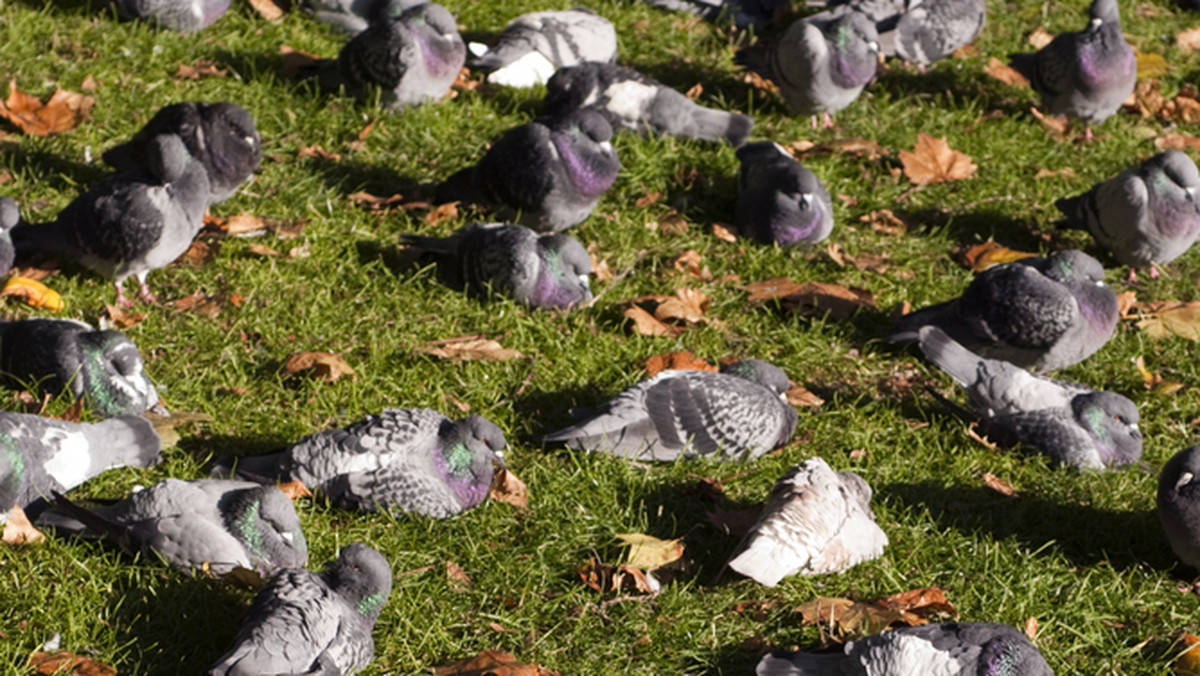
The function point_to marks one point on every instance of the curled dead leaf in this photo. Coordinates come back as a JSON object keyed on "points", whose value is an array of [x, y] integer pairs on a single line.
{"points": [[1126, 302], [799, 396], [723, 233], [845, 617], [1177, 142], [980, 257], [886, 222], [859, 147], [506, 487], [67, 662], [605, 578], [202, 68], [997, 484], [33, 293], [1059, 125], [1031, 628], [979, 438], [933, 161], [324, 366], [294, 490], [473, 349], [375, 203], [1001, 71], [457, 577], [63, 112], [122, 318], [600, 270], [646, 324]]}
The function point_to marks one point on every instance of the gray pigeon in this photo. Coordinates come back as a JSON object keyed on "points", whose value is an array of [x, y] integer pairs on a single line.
{"points": [[214, 525], [536, 44], [185, 16], [630, 100], [349, 16], [550, 271], [40, 456], [552, 171], [132, 223], [1179, 504], [1146, 215], [412, 55], [415, 460], [778, 200], [1088, 74], [737, 414], [816, 521], [934, 29], [1039, 313], [1066, 422], [309, 623], [104, 368], [820, 65], [221, 135], [950, 649], [10, 215], [743, 13]]}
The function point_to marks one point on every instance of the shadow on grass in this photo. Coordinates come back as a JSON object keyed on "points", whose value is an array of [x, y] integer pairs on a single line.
{"points": [[62, 174], [556, 409], [1084, 534]]}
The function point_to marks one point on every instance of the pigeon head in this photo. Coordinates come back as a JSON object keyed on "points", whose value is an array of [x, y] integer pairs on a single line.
{"points": [[1008, 655], [264, 520], [1112, 421], [569, 88], [769, 376], [362, 576], [799, 216], [855, 44], [112, 378], [10, 213], [1073, 265], [1172, 180], [563, 280], [1180, 478], [469, 447], [1104, 12], [436, 33], [857, 488], [234, 148]]}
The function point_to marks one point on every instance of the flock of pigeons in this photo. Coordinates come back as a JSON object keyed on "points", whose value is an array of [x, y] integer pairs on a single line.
{"points": [[1012, 322]]}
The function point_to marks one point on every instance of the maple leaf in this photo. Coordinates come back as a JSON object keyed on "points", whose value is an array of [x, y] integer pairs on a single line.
{"points": [[122, 318], [649, 552], [472, 348], [647, 325], [323, 365], [63, 112], [933, 161], [33, 293], [506, 487], [1181, 319], [1005, 73]]}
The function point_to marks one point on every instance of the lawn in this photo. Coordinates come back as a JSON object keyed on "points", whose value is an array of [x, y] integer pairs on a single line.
{"points": [[1081, 552]]}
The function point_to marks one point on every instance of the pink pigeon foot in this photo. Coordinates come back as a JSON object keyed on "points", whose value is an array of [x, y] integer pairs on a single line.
{"points": [[121, 299], [827, 121], [1131, 278], [1153, 272], [144, 293], [1087, 134], [813, 121]]}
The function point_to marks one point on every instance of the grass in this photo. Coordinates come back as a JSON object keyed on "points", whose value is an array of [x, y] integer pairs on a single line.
{"points": [[1082, 553]]}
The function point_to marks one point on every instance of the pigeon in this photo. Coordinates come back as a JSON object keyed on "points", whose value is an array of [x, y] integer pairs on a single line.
{"points": [[10, 215], [816, 521], [221, 135], [134, 222], [1179, 504], [778, 200], [1069, 423], [550, 271], [349, 16], [310, 623], [552, 171], [820, 65], [1038, 313], [103, 368], [1088, 74], [744, 13], [737, 414], [630, 100], [934, 29], [536, 44], [949, 649], [1147, 215], [209, 525], [412, 55], [39, 456], [415, 460], [184, 16]]}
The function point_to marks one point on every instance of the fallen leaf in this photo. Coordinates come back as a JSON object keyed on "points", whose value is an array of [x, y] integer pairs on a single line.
{"points": [[122, 318], [1040, 38], [268, 9], [199, 254], [167, 425], [1188, 40], [1154, 381], [647, 199], [933, 161], [475, 349], [1057, 124], [1150, 65], [443, 212], [294, 490], [457, 577], [605, 578], [1065, 172], [18, 530], [264, 250], [844, 617], [318, 152], [1188, 663], [34, 294], [759, 82], [997, 484], [64, 662], [244, 225], [1177, 142], [648, 552], [687, 306], [1126, 301], [980, 257], [1004, 73], [325, 366], [735, 522], [506, 487], [858, 146], [799, 396], [812, 298], [295, 61], [63, 112], [501, 629], [682, 361], [491, 663], [885, 222], [1181, 319], [690, 262], [695, 91], [646, 324], [244, 577], [722, 233], [1031, 628], [201, 303], [673, 224], [202, 68]]}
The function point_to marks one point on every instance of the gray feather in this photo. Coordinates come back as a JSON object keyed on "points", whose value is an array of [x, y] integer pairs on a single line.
{"points": [[778, 200], [533, 45]]}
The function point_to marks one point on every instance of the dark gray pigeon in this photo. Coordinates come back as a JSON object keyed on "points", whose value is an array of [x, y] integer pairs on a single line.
{"points": [[221, 135], [10, 215], [820, 65], [950, 649], [1179, 504], [552, 171], [549, 271], [1088, 74], [1147, 215], [132, 223], [536, 44], [778, 200], [309, 623], [743, 13], [104, 368], [349, 16], [412, 55], [1039, 313], [415, 460], [185, 16], [1066, 422], [211, 525], [737, 414], [933, 29], [40, 456], [630, 100]]}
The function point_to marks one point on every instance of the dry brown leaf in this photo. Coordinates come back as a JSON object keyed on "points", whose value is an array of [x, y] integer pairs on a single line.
{"points": [[506, 487], [687, 306], [648, 552], [1004, 73], [735, 522], [67, 663], [199, 254], [264, 250], [1188, 40], [820, 298], [799, 396], [63, 112], [318, 152], [605, 577], [295, 61], [294, 490], [980, 257], [886, 222], [1188, 663], [457, 577], [443, 212], [690, 262], [1065, 172], [1181, 319], [375, 203], [268, 9], [244, 225], [777, 287], [201, 303], [695, 91], [674, 224], [997, 484], [723, 233], [844, 617], [474, 349], [1057, 124], [683, 361], [1126, 301], [759, 82], [600, 270], [645, 323], [325, 366], [858, 146], [647, 199], [1177, 142], [1040, 38], [33, 293], [122, 318], [1031, 628], [202, 68], [18, 530], [491, 663], [933, 161]]}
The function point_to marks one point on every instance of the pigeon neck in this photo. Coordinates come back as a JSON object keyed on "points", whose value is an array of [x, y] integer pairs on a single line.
{"points": [[584, 175], [455, 464], [553, 287]]}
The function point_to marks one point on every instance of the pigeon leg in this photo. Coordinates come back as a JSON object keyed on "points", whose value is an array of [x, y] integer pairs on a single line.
{"points": [[1153, 272], [1087, 134], [813, 121], [1131, 279], [144, 290], [827, 120], [121, 299]]}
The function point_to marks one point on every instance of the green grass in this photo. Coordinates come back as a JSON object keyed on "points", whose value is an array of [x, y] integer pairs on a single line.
{"points": [[1083, 553]]}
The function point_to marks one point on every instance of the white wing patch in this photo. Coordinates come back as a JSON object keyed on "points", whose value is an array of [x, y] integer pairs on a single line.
{"points": [[629, 99], [528, 71], [71, 463]]}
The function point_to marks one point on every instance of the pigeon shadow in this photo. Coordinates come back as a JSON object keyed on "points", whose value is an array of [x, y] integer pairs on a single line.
{"points": [[349, 176], [216, 446], [400, 261], [62, 174], [976, 226], [1084, 534], [552, 408], [718, 87]]}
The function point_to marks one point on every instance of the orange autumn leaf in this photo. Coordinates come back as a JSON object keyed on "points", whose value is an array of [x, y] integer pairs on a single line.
{"points": [[647, 325], [682, 361], [63, 112], [294, 490], [723, 233], [506, 487], [443, 212], [64, 662], [18, 530], [845, 617], [1003, 72], [325, 366], [980, 257], [35, 294], [202, 68], [491, 663], [933, 161], [1188, 663]]}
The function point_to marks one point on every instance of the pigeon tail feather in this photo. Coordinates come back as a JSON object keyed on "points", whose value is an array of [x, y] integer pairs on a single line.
{"points": [[949, 355]]}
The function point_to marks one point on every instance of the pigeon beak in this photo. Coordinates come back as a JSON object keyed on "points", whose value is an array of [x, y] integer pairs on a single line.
{"points": [[1184, 479], [606, 147], [806, 199], [585, 281], [500, 460], [1191, 194]]}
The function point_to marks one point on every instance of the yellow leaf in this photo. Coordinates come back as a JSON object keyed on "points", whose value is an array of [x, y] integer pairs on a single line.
{"points": [[980, 257], [1182, 319], [1188, 664], [35, 294], [649, 552], [1150, 65]]}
